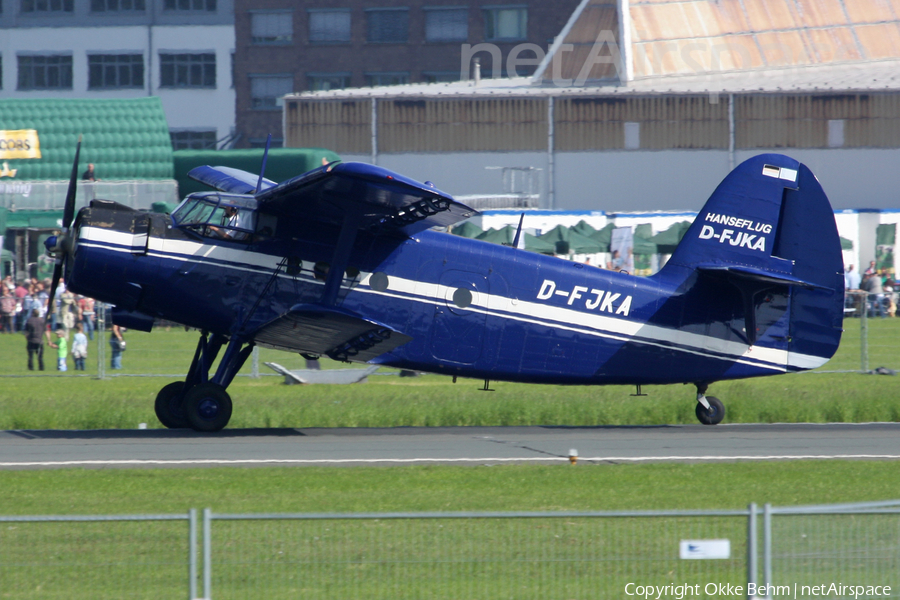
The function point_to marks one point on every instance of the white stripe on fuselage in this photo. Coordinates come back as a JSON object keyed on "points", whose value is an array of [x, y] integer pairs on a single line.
{"points": [[599, 325]]}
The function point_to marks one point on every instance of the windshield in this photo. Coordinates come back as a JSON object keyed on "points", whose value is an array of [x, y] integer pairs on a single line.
{"points": [[213, 214]]}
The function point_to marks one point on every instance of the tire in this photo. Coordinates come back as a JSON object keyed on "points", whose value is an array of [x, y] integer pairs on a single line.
{"points": [[168, 406], [714, 415], [207, 407]]}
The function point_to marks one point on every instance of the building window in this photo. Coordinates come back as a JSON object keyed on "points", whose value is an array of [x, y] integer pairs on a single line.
{"points": [[266, 91], [111, 71], [374, 79], [329, 26], [632, 136], [446, 24], [33, 6], [440, 76], [387, 26], [52, 72], [187, 70], [327, 81], [272, 27], [835, 133], [192, 5], [118, 5], [506, 23], [193, 140]]}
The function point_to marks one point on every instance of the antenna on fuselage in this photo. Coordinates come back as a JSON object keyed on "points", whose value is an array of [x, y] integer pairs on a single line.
{"points": [[516, 239], [262, 169]]}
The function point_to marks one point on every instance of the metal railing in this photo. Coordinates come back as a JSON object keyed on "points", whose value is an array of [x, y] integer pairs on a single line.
{"points": [[455, 555], [51, 195]]}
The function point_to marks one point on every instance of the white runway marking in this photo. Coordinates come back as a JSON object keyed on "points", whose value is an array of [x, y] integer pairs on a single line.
{"points": [[325, 461]]}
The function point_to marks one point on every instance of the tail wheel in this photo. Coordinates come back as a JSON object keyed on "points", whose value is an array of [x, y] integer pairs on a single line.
{"points": [[168, 406], [207, 407], [714, 415]]}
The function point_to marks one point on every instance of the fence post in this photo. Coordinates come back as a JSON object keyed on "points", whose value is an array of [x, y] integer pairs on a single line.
{"points": [[767, 545], [207, 555], [864, 333], [101, 339], [751, 547], [192, 554], [254, 372]]}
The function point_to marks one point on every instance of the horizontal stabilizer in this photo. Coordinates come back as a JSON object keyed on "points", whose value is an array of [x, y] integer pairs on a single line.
{"points": [[760, 275], [385, 201], [336, 333], [228, 179]]}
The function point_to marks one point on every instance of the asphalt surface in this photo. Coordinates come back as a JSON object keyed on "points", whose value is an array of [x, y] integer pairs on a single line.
{"points": [[446, 445]]}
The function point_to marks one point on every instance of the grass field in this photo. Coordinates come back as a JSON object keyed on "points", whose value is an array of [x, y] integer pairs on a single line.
{"points": [[281, 560], [563, 558], [69, 401]]}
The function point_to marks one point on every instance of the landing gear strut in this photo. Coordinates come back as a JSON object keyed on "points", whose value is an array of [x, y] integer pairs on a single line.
{"points": [[710, 410], [199, 402]]}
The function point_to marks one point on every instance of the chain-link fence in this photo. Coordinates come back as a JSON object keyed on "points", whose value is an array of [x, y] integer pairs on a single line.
{"points": [[540, 555]]}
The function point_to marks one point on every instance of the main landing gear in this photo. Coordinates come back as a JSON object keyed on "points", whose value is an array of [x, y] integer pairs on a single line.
{"points": [[710, 410], [199, 402]]}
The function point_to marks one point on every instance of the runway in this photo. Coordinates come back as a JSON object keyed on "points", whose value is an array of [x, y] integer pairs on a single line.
{"points": [[446, 445]]}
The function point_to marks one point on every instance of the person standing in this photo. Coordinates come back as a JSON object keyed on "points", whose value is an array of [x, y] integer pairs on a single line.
{"points": [[79, 347], [7, 309], [86, 307], [62, 349], [35, 330], [117, 344]]}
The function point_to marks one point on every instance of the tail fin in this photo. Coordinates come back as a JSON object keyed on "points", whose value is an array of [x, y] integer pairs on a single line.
{"points": [[769, 226]]}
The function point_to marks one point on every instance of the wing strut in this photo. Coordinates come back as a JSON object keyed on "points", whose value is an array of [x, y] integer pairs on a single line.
{"points": [[341, 258]]}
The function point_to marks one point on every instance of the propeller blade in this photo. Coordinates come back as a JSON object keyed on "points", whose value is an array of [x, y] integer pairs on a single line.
{"points": [[57, 274], [69, 212]]}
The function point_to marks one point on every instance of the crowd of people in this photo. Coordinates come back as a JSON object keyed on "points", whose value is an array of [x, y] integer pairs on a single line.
{"points": [[873, 293], [24, 308]]}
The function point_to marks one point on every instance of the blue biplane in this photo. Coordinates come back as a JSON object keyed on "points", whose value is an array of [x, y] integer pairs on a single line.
{"points": [[343, 262]]}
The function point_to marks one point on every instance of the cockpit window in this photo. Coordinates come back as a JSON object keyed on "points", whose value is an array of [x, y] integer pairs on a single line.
{"points": [[223, 216]]}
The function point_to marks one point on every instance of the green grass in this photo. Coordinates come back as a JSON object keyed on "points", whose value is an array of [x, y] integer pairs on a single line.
{"points": [[71, 402], [492, 558], [446, 488]]}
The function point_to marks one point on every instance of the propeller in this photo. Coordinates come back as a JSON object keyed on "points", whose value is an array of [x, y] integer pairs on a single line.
{"points": [[61, 245]]}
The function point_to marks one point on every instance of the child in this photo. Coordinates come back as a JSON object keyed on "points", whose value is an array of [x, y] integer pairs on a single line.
{"points": [[79, 347], [62, 349]]}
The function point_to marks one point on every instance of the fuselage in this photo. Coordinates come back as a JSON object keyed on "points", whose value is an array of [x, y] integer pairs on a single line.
{"points": [[473, 309]]}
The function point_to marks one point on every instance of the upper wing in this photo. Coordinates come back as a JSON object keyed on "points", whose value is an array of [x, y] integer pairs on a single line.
{"points": [[227, 179], [386, 201]]}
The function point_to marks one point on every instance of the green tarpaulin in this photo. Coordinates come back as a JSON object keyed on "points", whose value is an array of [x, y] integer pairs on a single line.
{"points": [[846, 244], [604, 236], [506, 235], [467, 229], [584, 228], [565, 240], [666, 241], [34, 219]]}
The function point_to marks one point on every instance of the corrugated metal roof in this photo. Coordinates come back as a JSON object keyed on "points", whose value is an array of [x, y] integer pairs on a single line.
{"points": [[672, 37], [871, 76]]}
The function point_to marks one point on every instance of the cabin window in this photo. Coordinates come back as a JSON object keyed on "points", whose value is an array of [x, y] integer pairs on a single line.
{"points": [[218, 216]]}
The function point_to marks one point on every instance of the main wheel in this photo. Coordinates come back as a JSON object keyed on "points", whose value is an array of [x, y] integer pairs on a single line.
{"points": [[168, 406], [714, 415], [207, 407]]}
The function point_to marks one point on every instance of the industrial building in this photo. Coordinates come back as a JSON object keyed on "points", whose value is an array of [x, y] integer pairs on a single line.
{"points": [[645, 105]]}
